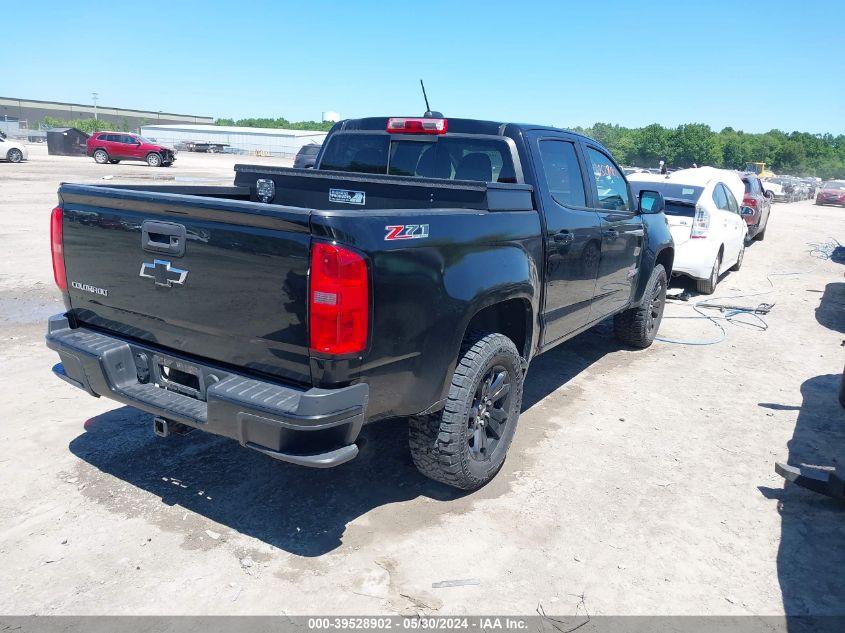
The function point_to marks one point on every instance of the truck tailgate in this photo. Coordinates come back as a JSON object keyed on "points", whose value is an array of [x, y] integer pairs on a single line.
{"points": [[223, 280]]}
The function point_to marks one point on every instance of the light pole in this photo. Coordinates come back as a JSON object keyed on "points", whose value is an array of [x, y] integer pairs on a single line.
{"points": [[95, 98]]}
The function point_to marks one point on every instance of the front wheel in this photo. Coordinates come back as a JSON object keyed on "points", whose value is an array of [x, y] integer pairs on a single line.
{"points": [[153, 160], [101, 157], [14, 155], [465, 444], [638, 326]]}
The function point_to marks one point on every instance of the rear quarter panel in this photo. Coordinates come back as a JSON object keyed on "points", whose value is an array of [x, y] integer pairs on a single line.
{"points": [[425, 292]]}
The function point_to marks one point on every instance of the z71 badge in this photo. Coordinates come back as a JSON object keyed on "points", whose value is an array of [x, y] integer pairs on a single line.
{"points": [[406, 232]]}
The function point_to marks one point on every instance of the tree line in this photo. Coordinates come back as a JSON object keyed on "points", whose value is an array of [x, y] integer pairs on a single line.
{"points": [[796, 153]]}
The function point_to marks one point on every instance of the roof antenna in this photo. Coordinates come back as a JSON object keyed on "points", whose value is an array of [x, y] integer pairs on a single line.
{"points": [[428, 113]]}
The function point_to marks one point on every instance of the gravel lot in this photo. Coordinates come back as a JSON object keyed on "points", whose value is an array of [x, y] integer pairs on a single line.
{"points": [[638, 482]]}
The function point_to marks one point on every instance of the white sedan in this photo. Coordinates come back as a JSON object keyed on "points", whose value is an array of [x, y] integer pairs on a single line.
{"points": [[12, 151], [705, 219]]}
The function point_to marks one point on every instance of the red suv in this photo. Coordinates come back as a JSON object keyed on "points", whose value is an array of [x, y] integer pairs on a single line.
{"points": [[113, 147]]}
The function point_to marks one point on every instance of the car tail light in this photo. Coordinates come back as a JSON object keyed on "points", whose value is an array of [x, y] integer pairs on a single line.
{"points": [[57, 245], [405, 125], [339, 305], [750, 201], [700, 223]]}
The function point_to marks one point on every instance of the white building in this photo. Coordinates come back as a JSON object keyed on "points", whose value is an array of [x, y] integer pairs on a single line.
{"points": [[255, 141]]}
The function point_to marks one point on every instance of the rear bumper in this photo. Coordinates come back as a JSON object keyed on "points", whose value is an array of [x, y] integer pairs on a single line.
{"points": [[695, 258], [313, 427]]}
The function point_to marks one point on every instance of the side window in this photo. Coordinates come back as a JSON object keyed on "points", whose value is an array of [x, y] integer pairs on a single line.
{"points": [[719, 197], [611, 185], [733, 207], [125, 138], [563, 174]]}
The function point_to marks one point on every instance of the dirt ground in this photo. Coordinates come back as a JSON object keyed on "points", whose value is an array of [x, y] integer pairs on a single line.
{"points": [[639, 482]]}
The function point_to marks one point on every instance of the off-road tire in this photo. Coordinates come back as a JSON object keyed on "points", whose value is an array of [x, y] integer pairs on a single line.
{"points": [[101, 156], [708, 286], [153, 159], [638, 326], [739, 258], [14, 155], [440, 443]]}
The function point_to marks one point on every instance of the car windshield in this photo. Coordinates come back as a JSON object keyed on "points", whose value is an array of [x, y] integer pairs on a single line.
{"points": [[835, 185], [670, 190], [145, 140]]}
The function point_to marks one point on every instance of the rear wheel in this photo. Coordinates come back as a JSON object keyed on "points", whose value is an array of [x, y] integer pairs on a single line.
{"points": [[153, 160], [465, 444], [638, 326], [101, 156], [708, 286], [14, 155]]}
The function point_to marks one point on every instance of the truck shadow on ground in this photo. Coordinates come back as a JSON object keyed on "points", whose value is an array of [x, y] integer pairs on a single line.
{"points": [[831, 310], [811, 555], [300, 510]]}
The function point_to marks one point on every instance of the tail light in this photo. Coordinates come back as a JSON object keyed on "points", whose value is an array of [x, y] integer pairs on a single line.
{"points": [[700, 223], [339, 305], [750, 201], [405, 125], [57, 245]]}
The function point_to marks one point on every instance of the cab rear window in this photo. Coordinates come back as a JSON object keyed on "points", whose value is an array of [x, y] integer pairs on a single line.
{"points": [[444, 157]]}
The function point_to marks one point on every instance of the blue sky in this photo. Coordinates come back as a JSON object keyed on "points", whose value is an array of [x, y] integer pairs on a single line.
{"points": [[750, 65]]}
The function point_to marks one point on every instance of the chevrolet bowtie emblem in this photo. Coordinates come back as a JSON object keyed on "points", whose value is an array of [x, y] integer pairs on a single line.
{"points": [[163, 272]]}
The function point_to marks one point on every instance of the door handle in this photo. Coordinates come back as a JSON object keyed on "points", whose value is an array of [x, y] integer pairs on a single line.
{"points": [[637, 233], [163, 237], [564, 237]]}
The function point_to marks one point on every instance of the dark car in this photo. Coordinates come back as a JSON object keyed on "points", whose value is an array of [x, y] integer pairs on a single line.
{"points": [[113, 147], [812, 186], [832, 192], [756, 206], [306, 156], [412, 275]]}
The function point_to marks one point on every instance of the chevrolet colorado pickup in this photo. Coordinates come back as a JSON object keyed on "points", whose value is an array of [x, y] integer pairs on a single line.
{"points": [[414, 274]]}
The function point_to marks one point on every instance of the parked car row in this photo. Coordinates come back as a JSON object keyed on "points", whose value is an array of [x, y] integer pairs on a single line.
{"points": [[791, 188], [712, 215]]}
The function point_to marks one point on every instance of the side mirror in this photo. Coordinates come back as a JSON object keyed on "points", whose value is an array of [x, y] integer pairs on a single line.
{"points": [[651, 202], [746, 211], [769, 194]]}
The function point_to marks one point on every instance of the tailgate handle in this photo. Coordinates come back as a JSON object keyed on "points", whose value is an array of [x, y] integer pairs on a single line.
{"points": [[163, 237]]}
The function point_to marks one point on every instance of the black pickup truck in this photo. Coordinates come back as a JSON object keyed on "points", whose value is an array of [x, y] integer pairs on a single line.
{"points": [[413, 274]]}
